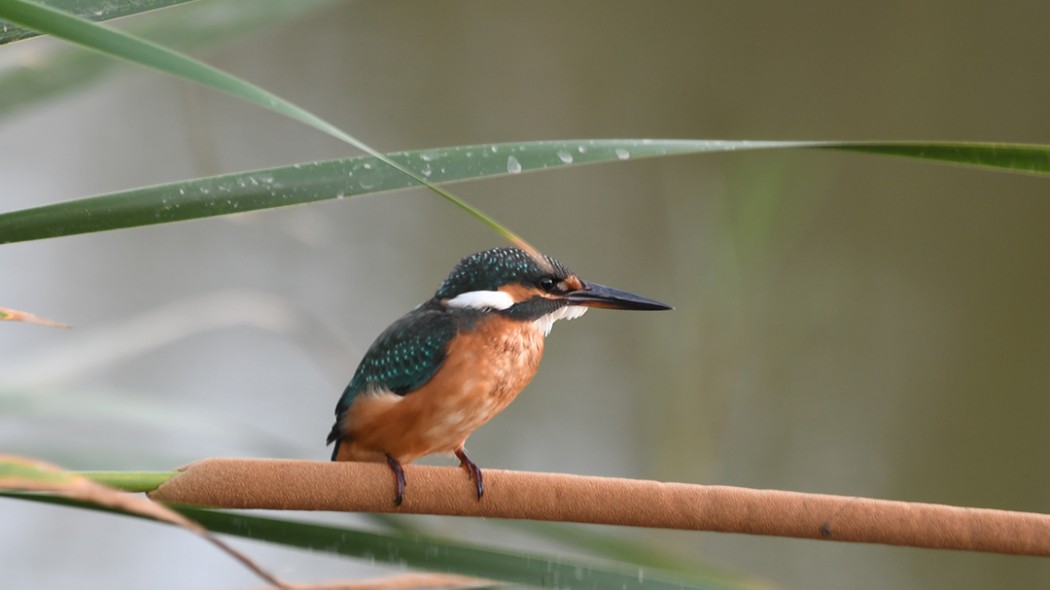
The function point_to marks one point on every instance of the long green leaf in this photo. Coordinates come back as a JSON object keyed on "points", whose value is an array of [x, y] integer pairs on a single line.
{"points": [[621, 548], [318, 181], [1027, 158], [198, 26], [122, 45], [428, 553], [1033, 159], [97, 10]]}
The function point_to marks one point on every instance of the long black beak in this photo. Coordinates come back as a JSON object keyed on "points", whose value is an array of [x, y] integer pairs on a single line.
{"points": [[595, 295]]}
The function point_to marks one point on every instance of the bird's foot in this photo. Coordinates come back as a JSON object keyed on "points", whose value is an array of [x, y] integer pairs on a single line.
{"points": [[399, 478], [472, 470]]}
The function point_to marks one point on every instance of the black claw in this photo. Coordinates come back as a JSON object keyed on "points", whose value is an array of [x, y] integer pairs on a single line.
{"points": [[472, 470], [399, 478]]}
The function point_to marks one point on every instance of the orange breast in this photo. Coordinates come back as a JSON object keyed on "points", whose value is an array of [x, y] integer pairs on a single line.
{"points": [[484, 370]]}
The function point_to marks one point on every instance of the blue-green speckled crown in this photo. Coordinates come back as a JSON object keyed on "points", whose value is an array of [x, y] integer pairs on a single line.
{"points": [[488, 270]]}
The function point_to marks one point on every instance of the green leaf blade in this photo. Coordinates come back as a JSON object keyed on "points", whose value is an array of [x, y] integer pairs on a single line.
{"points": [[365, 175], [196, 26], [142, 52], [429, 553], [1032, 159], [94, 11]]}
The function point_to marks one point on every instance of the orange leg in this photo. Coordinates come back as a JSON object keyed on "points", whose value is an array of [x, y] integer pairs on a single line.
{"points": [[399, 478], [472, 470]]}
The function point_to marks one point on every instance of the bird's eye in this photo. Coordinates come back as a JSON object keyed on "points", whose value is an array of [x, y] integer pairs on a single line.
{"points": [[548, 284]]}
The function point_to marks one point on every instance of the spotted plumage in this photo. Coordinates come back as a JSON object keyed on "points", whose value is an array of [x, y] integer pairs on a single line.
{"points": [[450, 365]]}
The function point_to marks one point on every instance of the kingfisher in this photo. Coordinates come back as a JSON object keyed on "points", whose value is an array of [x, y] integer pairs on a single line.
{"points": [[458, 359]]}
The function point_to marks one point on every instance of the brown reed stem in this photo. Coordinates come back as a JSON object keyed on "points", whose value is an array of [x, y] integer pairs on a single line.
{"points": [[368, 487]]}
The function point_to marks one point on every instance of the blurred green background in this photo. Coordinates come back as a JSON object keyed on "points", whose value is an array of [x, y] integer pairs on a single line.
{"points": [[845, 324]]}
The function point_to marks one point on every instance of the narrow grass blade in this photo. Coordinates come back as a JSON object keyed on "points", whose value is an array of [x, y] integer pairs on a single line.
{"points": [[197, 26], [363, 175], [1032, 159], [94, 10], [20, 473], [430, 554], [124, 46], [623, 549]]}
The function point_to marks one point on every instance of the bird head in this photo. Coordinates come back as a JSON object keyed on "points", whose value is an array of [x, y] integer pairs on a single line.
{"points": [[529, 287]]}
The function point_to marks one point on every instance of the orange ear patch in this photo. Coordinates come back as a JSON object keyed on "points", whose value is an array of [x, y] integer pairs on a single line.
{"points": [[574, 283], [520, 292]]}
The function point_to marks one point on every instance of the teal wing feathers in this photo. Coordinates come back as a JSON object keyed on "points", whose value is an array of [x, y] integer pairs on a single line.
{"points": [[401, 360]]}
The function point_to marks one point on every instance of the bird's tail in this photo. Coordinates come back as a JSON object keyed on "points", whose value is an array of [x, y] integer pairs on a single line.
{"points": [[334, 437]]}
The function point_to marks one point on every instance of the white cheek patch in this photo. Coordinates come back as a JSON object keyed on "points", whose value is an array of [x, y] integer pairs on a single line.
{"points": [[482, 300], [569, 312]]}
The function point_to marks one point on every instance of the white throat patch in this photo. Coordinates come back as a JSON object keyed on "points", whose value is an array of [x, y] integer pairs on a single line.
{"points": [[482, 300], [569, 312]]}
